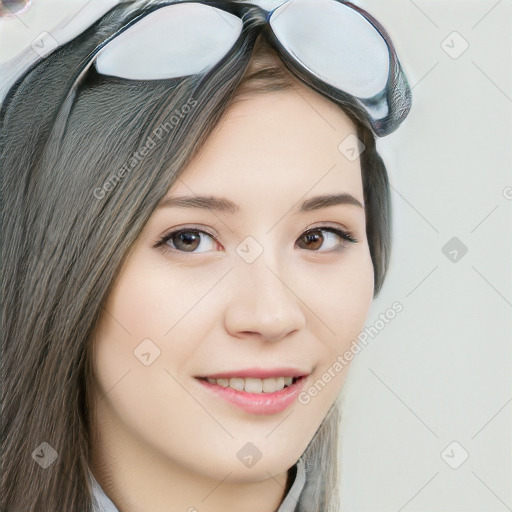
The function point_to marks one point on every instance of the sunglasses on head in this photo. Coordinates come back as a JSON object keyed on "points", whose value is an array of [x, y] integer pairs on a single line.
{"points": [[332, 45]]}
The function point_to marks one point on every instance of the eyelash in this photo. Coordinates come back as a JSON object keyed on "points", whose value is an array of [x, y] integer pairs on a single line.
{"points": [[345, 235]]}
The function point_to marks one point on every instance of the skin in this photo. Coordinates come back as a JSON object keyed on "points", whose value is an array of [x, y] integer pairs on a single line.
{"points": [[161, 441]]}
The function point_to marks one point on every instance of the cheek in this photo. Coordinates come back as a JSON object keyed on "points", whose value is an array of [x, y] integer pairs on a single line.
{"points": [[354, 289], [341, 295], [151, 329], [148, 301], [341, 301], [145, 320], [341, 305]]}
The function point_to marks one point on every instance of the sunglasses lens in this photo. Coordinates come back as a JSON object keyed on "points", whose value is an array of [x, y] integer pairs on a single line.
{"points": [[335, 43], [173, 41]]}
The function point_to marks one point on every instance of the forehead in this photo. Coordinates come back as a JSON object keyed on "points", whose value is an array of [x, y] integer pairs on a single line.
{"points": [[277, 143]]}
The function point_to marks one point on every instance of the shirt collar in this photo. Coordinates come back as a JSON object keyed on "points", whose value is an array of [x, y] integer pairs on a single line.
{"points": [[102, 503]]}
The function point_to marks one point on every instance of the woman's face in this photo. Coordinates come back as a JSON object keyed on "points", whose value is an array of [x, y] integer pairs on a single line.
{"points": [[243, 293]]}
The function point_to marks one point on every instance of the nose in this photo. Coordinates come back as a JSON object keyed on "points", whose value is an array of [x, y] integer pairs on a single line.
{"points": [[262, 303]]}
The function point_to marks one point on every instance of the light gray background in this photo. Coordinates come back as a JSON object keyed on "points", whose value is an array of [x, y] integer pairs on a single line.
{"points": [[434, 385], [440, 371]]}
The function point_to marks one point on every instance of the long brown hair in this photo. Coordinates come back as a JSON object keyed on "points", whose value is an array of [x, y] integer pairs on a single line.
{"points": [[70, 215]]}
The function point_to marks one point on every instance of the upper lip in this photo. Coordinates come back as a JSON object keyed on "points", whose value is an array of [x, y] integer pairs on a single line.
{"points": [[259, 373]]}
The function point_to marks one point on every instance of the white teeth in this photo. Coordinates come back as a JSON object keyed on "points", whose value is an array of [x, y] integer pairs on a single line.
{"points": [[252, 385], [269, 385], [221, 382], [236, 383]]}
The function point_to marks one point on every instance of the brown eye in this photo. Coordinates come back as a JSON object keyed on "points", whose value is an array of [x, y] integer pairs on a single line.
{"points": [[188, 240], [314, 239]]}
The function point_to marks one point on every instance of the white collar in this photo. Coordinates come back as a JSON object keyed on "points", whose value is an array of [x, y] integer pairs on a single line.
{"points": [[102, 503]]}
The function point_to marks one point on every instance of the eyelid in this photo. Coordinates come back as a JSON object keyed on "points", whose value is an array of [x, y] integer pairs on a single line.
{"points": [[187, 227], [350, 233], [325, 224], [161, 243]]}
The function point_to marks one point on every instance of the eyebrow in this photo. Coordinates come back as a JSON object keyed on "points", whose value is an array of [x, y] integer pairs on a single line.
{"points": [[221, 204]]}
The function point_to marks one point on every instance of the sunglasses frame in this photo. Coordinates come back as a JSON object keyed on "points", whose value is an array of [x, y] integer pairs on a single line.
{"points": [[396, 94]]}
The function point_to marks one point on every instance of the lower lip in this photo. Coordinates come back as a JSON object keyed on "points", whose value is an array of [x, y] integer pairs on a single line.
{"points": [[258, 403]]}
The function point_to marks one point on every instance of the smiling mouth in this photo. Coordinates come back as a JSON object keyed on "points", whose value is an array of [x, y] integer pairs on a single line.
{"points": [[254, 385], [270, 395]]}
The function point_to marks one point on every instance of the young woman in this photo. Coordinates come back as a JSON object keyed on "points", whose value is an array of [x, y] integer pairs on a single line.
{"points": [[195, 223]]}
